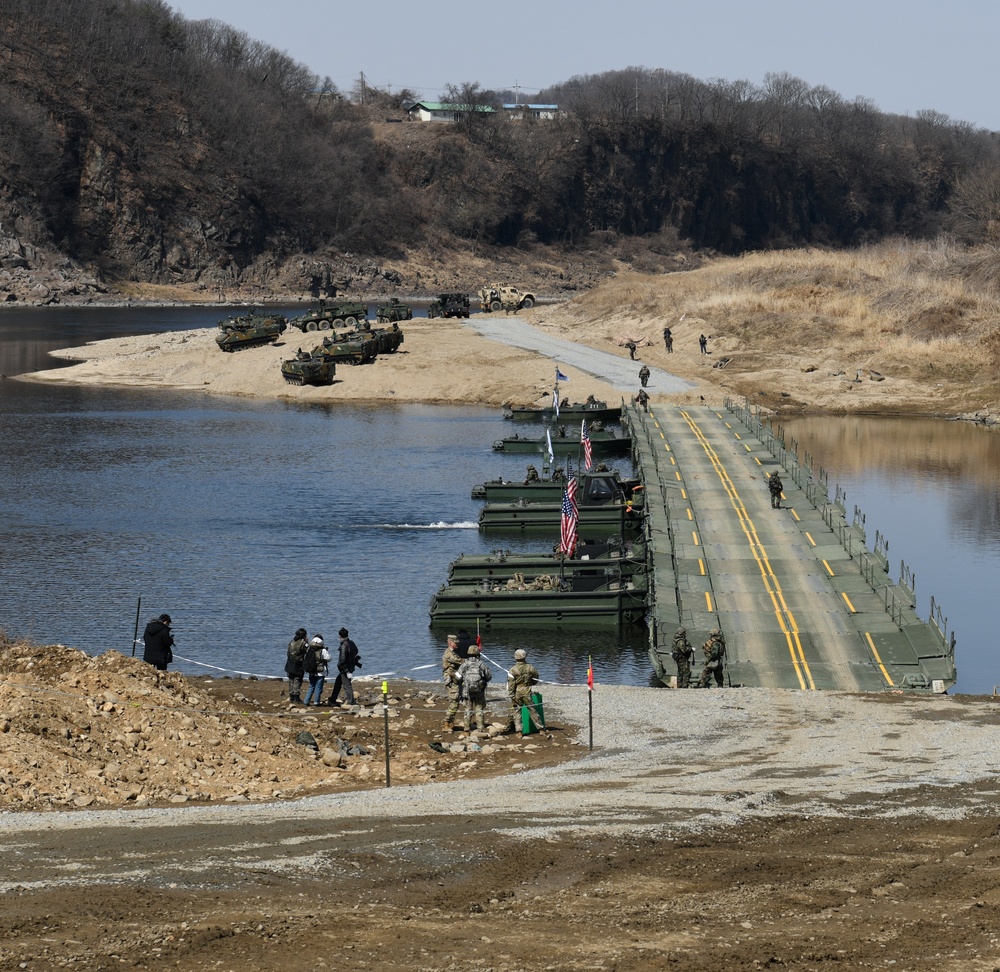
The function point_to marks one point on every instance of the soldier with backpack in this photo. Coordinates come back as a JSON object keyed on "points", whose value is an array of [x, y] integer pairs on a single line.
{"points": [[316, 664], [715, 655], [348, 659], [474, 675]]}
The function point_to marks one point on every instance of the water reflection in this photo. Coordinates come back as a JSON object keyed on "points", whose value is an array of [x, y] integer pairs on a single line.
{"points": [[931, 487]]}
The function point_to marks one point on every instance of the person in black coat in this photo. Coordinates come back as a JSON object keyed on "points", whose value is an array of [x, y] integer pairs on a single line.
{"points": [[158, 641]]}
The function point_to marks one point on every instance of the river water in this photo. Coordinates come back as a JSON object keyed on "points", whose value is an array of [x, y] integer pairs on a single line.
{"points": [[246, 519], [243, 519]]}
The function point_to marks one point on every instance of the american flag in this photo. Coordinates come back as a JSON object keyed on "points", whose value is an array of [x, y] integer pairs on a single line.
{"points": [[588, 452], [568, 524]]}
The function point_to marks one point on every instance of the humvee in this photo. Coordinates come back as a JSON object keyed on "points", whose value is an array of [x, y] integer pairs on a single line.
{"points": [[497, 298]]}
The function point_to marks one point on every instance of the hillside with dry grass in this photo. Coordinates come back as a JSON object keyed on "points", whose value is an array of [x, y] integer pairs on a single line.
{"points": [[896, 327]]}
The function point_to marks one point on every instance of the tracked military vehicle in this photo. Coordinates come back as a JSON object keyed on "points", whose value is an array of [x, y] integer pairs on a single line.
{"points": [[250, 331], [317, 368], [393, 312], [345, 313], [497, 298], [388, 339], [449, 305], [354, 350]]}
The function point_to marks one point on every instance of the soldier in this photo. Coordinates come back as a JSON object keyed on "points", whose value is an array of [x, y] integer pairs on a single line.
{"points": [[775, 486], [703, 344], [558, 476], [715, 653], [644, 376], [450, 664], [295, 665], [681, 652], [521, 678], [631, 345], [474, 675], [532, 476], [158, 643], [668, 340], [643, 399]]}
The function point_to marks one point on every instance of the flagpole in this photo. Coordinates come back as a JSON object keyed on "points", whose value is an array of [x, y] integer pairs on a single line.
{"points": [[590, 697]]}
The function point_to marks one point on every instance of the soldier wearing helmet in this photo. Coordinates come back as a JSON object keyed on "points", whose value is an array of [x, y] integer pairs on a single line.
{"points": [[521, 678], [474, 675], [715, 654], [450, 664], [681, 652]]}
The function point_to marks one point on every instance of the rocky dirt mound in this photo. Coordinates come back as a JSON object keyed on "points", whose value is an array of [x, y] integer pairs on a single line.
{"points": [[77, 731]]}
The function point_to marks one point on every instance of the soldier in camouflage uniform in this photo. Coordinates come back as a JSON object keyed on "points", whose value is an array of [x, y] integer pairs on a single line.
{"points": [[522, 677], [715, 653], [474, 675], [681, 652], [295, 665], [450, 664]]}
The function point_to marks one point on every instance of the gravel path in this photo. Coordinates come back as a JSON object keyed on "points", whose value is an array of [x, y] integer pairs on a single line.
{"points": [[615, 369], [681, 759]]}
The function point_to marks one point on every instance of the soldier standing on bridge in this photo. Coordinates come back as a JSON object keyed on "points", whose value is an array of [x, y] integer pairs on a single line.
{"points": [[643, 399], [681, 652], [715, 653], [775, 486]]}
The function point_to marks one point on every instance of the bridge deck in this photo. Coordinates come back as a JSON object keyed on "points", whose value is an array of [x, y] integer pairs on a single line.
{"points": [[801, 601]]}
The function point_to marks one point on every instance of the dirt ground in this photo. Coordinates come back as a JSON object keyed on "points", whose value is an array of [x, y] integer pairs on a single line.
{"points": [[170, 874]]}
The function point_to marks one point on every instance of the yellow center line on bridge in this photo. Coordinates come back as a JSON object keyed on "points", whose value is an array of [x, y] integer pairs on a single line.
{"points": [[701, 565], [786, 620], [847, 601], [796, 515], [878, 658], [829, 569], [809, 537], [708, 602]]}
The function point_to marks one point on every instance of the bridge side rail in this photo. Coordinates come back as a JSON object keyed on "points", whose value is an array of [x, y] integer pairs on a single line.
{"points": [[899, 599]]}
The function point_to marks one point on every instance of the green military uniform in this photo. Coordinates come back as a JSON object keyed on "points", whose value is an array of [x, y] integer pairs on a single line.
{"points": [[715, 653], [295, 665], [522, 677], [643, 375], [775, 486], [450, 664], [474, 676], [681, 652]]}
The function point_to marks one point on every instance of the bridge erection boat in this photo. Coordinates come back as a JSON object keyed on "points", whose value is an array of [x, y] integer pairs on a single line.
{"points": [[590, 558]]}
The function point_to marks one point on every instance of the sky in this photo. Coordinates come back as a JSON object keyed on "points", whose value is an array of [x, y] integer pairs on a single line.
{"points": [[904, 55]]}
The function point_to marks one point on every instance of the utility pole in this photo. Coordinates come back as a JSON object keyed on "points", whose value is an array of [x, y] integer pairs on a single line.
{"points": [[362, 87]]}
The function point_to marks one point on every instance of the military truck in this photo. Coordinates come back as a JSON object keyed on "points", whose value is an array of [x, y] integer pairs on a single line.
{"points": [[316, 368], [355, 350], [327, 315], [497, 298], [394, 311], [250, 331], [449, 305]]}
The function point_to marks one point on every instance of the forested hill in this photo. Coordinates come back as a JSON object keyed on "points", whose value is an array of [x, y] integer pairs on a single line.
{"points": [[148, 147]]}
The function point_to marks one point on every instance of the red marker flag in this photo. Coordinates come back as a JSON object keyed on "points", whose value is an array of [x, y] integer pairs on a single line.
{"points": [[590, 676]]}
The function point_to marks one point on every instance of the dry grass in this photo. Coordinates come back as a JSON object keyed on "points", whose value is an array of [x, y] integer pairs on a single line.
{"points": [[887, 306]]}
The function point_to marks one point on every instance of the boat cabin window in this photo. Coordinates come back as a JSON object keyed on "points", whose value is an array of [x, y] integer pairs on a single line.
{"points": [[599, 488]]}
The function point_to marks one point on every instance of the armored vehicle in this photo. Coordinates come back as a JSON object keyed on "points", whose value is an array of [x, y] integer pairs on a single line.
{"points": [[250, 331], [317, 368], [388, 339], [394, 311], [497, 298], [449, 305], [354, 350], [327, 315]]}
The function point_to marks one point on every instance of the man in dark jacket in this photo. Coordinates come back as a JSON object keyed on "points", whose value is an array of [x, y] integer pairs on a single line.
{"points": [[348, 659], [158, 642], [295, 666]]}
